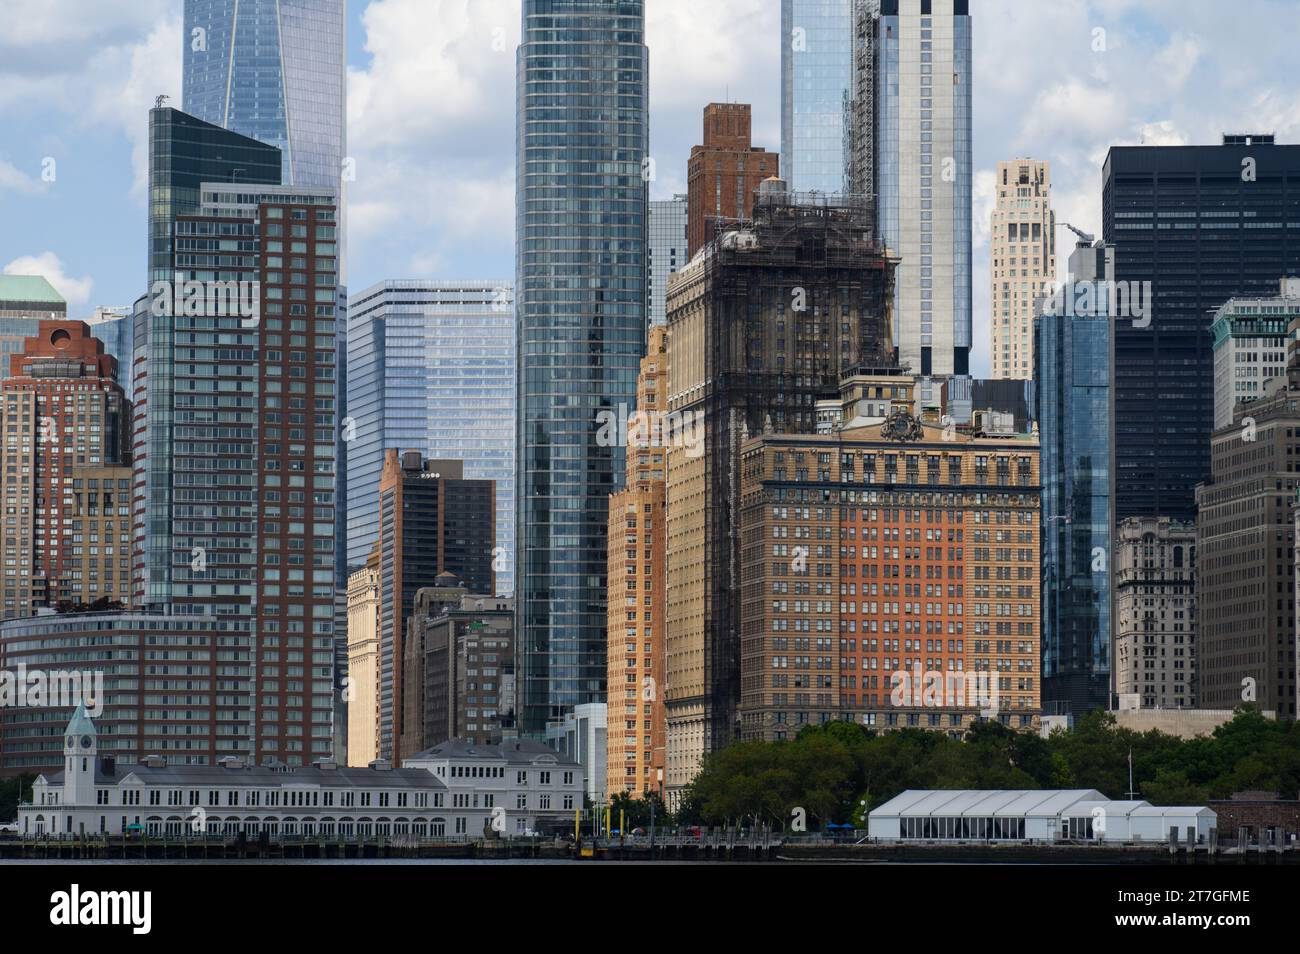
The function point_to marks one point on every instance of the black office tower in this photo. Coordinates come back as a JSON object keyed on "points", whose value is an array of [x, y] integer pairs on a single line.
{"points": [[1201, 224]]}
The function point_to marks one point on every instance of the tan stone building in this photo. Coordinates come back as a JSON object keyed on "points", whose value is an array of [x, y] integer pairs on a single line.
{"points": [[764, 321], [363, 663], [1245, 556], [637, 577], [689, 572], [1155, 612], [890, 576], [100, 566], [1022, 261]]}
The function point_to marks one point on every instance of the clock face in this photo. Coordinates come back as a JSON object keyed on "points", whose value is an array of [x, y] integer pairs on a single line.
{"points": [[72, 743], [85, 741]]}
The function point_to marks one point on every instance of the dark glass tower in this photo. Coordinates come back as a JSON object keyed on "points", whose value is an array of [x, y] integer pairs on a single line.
{"points": [[185, 152], [581, 233], [1202, 224], [1072, 397]]}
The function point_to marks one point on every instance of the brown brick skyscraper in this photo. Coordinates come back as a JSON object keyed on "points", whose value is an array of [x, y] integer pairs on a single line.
{"points": [[431, 520], [63, 413], [724, 172]]}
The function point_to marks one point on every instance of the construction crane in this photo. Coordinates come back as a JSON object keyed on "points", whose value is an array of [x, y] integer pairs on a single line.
{"points": [[1084, 237]]}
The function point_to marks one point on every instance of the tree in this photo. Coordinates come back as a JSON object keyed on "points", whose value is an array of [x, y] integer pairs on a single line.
{"points": [[838, 771], [636, 811], [11, 790]]}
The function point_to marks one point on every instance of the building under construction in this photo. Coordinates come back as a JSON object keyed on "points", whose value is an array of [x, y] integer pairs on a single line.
{"points": [[762, 322]]}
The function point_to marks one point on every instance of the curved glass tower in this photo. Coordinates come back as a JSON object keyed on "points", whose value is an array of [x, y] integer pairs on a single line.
{"points": [[581, 224]]}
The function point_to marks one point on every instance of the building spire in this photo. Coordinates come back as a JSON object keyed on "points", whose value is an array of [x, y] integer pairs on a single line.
{"points": [[81, 723]]}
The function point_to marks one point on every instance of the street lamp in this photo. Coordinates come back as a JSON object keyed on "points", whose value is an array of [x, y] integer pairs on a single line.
{"points": [[659, 778]]}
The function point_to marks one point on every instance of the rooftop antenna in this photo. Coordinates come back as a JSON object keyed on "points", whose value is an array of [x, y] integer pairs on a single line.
{"points": [[159, 100]]}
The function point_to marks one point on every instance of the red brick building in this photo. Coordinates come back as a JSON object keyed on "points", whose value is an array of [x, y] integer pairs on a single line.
{"points": [[723, 174], [62, 413]]}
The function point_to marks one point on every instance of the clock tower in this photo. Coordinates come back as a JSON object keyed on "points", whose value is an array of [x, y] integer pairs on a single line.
{"points": [[80, 749]]}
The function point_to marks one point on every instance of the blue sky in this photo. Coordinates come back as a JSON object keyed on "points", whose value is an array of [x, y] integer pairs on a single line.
{"points": [[431, 116]]}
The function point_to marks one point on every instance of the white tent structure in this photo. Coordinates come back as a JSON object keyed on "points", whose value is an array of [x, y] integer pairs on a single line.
{"points": [[1032, 815]]}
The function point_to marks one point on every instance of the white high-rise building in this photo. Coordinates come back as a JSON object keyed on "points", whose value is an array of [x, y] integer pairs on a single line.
{"points": [[1250, 339], [922, 129], [1022, 261]]}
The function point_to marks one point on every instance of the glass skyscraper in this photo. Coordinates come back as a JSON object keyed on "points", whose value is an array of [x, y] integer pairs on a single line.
{"points": [[816, 92], [236, 423], [275, 70], [115, 327], [580, 287], [1202, 224], [667, 252], [432, 370], [1072, 339], [923, 179], [184, 153]]}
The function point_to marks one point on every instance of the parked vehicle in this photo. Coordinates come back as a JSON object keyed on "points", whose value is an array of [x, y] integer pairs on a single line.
{"points": [[9, 828]]}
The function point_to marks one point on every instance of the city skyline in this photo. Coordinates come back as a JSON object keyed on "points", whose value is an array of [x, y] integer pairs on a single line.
{"points": [[460, 150], [505, 452]]}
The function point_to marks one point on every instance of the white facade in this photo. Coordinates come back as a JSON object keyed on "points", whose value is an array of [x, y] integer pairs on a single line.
{"points": [[1154, 567], [582, 737], [923, 167], [1251, 338], [453, 791], [1049, 815]]}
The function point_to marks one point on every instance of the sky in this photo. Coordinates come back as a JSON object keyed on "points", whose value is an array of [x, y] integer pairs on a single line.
{"points": [[431, 120]]}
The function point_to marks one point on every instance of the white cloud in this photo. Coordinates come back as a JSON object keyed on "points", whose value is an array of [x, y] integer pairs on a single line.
{"points": [[27, 23], [14, 179], [721, 51], [431, 119], [431, 128], [438, 68], [983, 199], [1162, 133], [70, 66], [76, 291]]}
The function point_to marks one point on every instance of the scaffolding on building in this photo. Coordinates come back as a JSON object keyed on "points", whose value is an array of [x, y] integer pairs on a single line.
{"points": [[794, 299], [860, 103]]}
